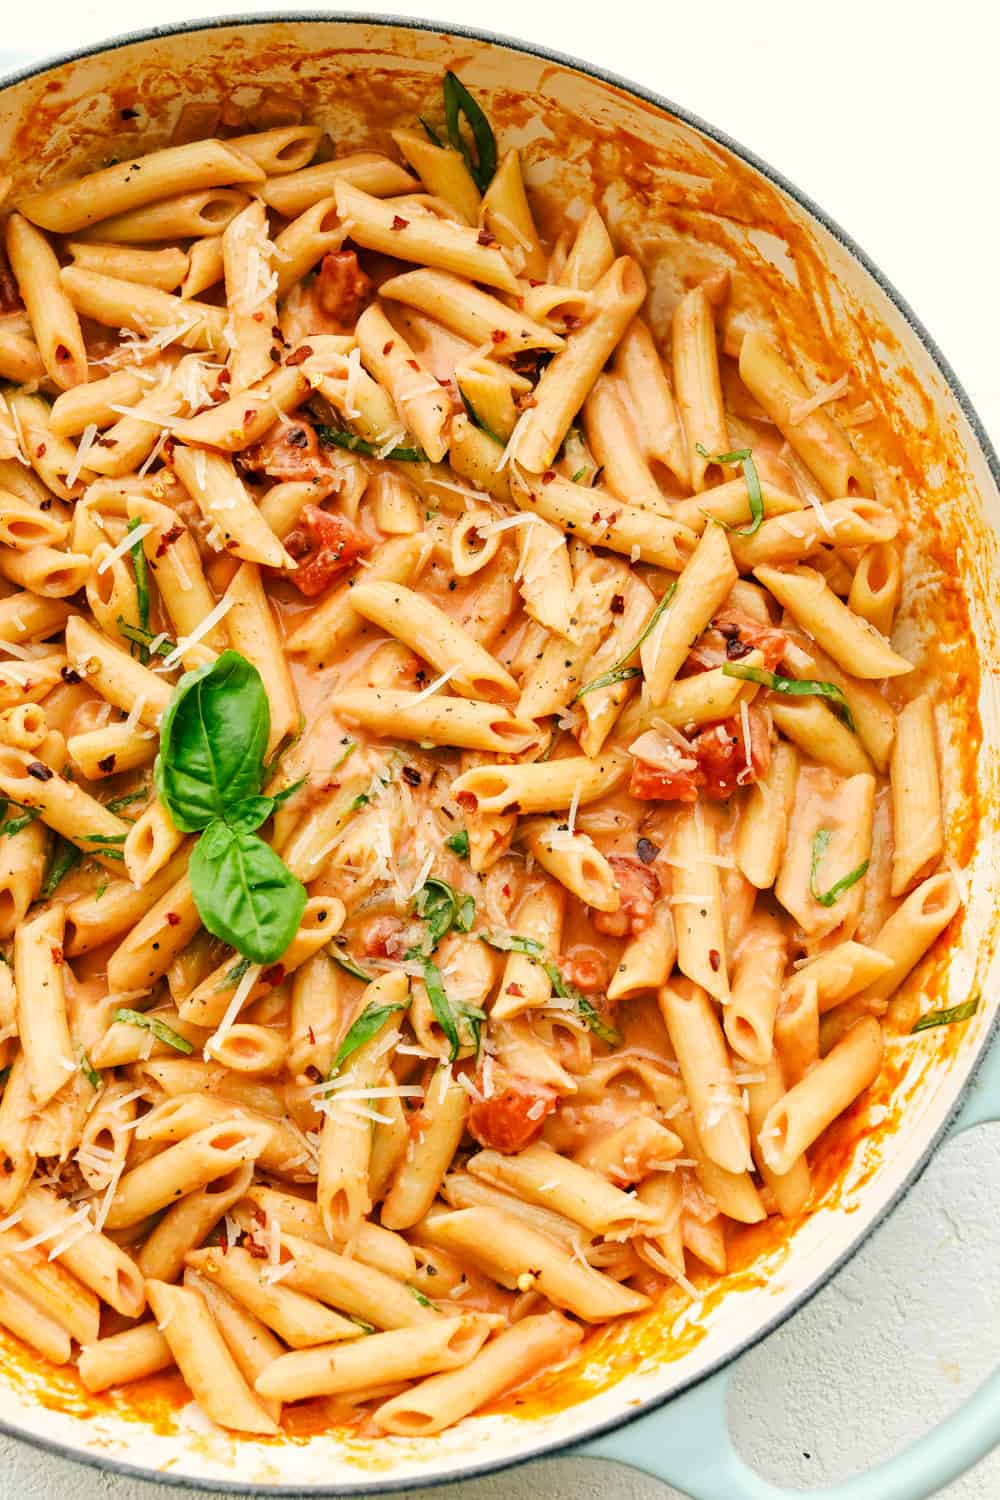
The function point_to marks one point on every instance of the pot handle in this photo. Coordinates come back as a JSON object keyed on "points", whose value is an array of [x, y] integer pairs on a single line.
{"points": [[686, 1443]]}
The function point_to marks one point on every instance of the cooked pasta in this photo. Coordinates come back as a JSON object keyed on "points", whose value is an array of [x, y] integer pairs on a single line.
{"points": [[495, 934]]}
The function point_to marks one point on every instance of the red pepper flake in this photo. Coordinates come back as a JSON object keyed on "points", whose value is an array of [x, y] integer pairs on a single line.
{"points": [[57, 957], [715, 959], [168, 538], [173, 919], [299, 356], [515, 990], [258, 1251], [484, 237], [258, 317], [497, 335], [106, 765], [41, 450], [398, 223], [548, 476], [533, 282], [617, 604], [312, 1036], [224, 377], [388, 346], [413, 364], [274, 975]]}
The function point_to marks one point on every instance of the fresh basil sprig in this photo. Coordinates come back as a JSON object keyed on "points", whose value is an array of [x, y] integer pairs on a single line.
{"points": [[476, 419], [458, 101], [794, 687], [458, 843], [339, 437], [160, 1029], [348, 964], [208, 773], [949, 1017], [143, 637], [743, 457], [586, 1009], [141, 570], [620, 672], [820, 844], [450, 1015]]}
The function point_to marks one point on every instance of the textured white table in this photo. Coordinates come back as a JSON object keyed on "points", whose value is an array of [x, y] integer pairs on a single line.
{"points": [[884, 115]]}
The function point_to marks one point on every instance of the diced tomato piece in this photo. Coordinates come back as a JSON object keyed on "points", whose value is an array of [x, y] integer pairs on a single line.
{"points": [[586, 971], [721, 754], [639, 888], [323, 546], [378, 935], [342, 289], [511, 1119], [743, 634]]}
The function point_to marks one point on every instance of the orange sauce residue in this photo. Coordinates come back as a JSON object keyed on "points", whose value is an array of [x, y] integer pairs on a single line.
{"points": [[777, 261]]}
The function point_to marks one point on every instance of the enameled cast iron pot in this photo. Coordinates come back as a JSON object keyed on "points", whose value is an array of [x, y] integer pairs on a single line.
{"points": [[665, 180]]}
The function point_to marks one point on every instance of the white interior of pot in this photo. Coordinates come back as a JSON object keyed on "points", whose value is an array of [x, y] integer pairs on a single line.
{"points": [[69, 120]]}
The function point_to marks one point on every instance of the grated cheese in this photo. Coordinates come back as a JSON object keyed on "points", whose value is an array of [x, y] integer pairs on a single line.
{"points": [[239, 999], [433, 687], [832, 391], [351, 408], [87, 439], [207, 625], [128, 541]]}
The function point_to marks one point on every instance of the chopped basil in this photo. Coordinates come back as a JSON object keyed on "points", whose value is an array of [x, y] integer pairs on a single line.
{"points": [[578, 475], [360, 1322], [442, 908], [458, 843], [949, 1017], [820, 844], [17, 825], [586, 1009], [620, 671], [144, 638], [347, 963], [160, 1029], [141, 570], [64, 857], [743, 457], [104, 839], [424, 1301], [794, 687], [367, 1025], [232, 977], [476, 419], [116, 804], [430, 132], [458, 101], [449, 1016], [339, 437], [512, 942], [89, 1072]]}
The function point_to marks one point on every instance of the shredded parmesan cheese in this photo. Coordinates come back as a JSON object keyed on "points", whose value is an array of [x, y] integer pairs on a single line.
{"points": [[128, 541]]}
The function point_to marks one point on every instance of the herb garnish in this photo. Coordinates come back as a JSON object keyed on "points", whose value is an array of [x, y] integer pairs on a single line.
{"points": [[949, 1017], [347, 963], [586, 1009], [89, 1072], [512, 942], [458, 843], [15, 825], [143, 637], [208, 773], [620, 671], [340, 437], [794, 687], [742, 456], [458, 101], [449, 1016], [141, 570], [476, 419], [127, 798], [63, 857], [367, 1025], [442, 908], [820, 844], [160, 1029]]}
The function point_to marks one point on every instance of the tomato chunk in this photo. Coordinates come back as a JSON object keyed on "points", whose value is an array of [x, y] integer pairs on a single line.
{"points": [[342, 289], [323, 546], [586, 971], [639, 889], [743, 634], [721, 765], [510, 1120]]}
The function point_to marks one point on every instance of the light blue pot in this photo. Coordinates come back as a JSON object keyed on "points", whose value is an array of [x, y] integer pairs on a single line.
{"points": [[667, 1418]]}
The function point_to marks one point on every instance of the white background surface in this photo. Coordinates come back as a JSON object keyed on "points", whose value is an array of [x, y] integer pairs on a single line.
{"points": [[886, 114]]}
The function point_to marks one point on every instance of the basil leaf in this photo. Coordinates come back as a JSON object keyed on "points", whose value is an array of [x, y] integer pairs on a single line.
{"points": [[367, 1025], [476, 419], [442, 908], [212, 742], [4, 1075], [458, 101], [141, 570], [441, 1006], [794, 687], [743, 457], [339, 437], [89, 1072], [950, 1017], [63, 857], [106, 841], [250, 813], [586, 1010], [424, 1301], [348, 964], [458, 843], [620, 672], [578, 475], [160, 1029], [430, 132], [820, 844], [145, 638], [245, 895], [296, 786], [512, 942], [17, 825]]}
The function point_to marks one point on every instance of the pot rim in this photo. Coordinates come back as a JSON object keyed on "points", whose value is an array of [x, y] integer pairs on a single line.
{"points": [[553, 1447]]}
